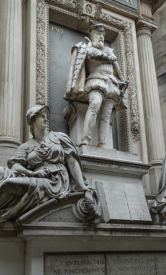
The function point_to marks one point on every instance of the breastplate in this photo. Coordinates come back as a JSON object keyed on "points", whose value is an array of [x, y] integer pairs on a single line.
{"points": [[98, 61]]}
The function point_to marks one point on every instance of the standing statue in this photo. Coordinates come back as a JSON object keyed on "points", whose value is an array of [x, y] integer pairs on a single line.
{"points": [[42, 169], [95, 75]]}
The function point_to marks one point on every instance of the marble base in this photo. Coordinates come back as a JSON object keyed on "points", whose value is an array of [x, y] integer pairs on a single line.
{"points": [[107, 153]]}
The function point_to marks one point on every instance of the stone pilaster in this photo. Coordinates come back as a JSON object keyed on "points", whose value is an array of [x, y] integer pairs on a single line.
{"points": [[10, 76], [145, 8], [153, 122]]}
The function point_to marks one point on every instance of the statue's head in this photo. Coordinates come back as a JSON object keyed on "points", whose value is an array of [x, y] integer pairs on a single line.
{"points": [[97, 34], [35, 112]]}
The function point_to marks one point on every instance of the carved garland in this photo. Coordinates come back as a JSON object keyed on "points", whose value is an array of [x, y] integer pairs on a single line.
{"points": [[41, 63], [132, 90], [41, 54]]}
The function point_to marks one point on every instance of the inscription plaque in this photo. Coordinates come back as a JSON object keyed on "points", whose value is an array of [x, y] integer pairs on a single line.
{"points": [[136, 202], [89, 264], [130, 264], [160, 260], [108, 263], [123, 201]]}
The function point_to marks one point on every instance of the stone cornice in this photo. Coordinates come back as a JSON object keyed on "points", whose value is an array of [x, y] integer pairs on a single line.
{"points": [[112, 165]]}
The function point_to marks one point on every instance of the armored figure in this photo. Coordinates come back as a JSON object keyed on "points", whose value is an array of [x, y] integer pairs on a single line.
{"points": [[47, 166], [95, 76]]}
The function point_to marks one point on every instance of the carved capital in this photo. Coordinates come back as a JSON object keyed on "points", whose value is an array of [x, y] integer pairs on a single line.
{"points": [[144, 27]]}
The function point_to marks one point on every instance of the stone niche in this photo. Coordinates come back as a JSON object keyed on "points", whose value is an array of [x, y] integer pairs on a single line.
{"points": [[63, 33], [64, 37]]}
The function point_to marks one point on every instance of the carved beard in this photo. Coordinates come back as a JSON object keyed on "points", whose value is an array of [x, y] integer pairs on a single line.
{"points": [[98, 44]]}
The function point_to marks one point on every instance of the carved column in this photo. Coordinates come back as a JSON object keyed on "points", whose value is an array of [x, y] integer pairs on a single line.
{"points": [[10, 76], [153, 122]]}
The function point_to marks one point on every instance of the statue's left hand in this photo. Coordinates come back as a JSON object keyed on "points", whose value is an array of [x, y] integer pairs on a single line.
{"points": [[40, 173]]}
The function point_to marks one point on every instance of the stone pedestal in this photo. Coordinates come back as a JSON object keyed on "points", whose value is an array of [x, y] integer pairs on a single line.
{"points": [[10, 77], [119, 181], [153, 122]]}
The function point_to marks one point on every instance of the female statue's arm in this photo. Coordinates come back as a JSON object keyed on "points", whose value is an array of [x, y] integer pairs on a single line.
{"points": [[20, 169], [76, 172], [18, 162]]}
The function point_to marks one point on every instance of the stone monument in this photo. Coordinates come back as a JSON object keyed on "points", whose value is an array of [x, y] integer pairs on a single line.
{"points": [[76, 203]]}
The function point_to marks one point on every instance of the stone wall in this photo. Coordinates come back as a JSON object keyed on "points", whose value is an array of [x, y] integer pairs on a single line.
{"points": [[11, 257]]}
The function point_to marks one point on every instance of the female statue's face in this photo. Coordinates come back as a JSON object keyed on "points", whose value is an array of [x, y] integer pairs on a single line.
{"points": [[40, 121]]}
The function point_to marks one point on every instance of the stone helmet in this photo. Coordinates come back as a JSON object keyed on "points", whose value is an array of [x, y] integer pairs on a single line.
{"points": [[33, 111], [97, 26]]}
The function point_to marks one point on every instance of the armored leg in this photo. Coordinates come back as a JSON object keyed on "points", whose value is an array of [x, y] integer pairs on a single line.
{"points": [[95, 100], [104, 121]]}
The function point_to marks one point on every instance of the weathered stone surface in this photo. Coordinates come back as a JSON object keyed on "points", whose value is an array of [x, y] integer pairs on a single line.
{"points": [[160, 263], [58, 36]]}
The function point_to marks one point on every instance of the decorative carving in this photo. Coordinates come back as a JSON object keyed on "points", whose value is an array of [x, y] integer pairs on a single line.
{"points": [[41, 51], [123, 116], [45, 167], [109, 19], [88, 208], [132, 91], [69, 4], [89, 9]]}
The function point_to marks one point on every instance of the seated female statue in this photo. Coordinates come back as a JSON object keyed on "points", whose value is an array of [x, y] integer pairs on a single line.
{"points": [[43, 168]]}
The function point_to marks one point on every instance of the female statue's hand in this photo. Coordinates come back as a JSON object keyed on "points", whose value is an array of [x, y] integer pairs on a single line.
{"points": [[40, 173]]}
